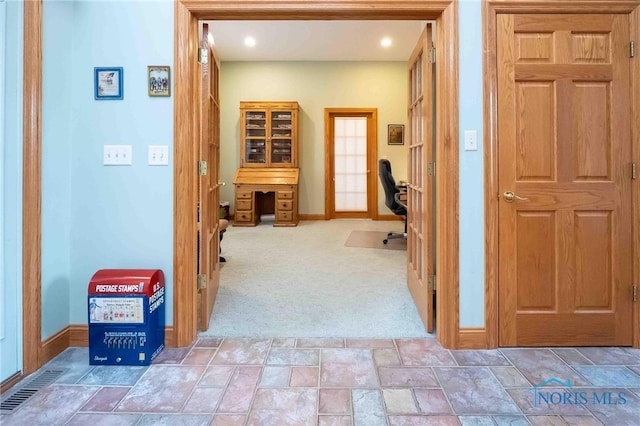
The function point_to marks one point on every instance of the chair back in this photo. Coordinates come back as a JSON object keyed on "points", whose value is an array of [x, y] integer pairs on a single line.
{"points": [[390, 188]]}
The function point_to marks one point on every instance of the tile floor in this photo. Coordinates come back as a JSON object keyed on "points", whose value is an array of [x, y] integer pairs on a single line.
{"points": [[342, 382]]}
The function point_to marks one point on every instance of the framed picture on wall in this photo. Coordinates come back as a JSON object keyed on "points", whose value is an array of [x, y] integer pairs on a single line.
{"points": [[395, 134], [159, 80], [108, 83]]}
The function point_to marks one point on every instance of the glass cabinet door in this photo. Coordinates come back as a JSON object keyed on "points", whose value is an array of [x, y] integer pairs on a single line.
{"points": [[281, 137], [255, 137]]}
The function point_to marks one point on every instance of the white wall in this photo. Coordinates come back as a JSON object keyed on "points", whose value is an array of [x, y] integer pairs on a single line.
{"points": [[316, 86]]}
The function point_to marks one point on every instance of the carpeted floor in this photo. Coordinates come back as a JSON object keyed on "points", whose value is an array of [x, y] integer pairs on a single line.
{"points": [[304, 282], [373, 239]]}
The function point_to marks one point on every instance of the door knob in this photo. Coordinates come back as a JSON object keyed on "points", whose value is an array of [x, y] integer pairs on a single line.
{"points": [[509, 196]]}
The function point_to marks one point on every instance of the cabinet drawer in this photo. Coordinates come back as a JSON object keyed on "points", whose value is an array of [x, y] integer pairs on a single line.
{"points": [[243, 194], [285, 205], [284, 216], [243, 204], [285, 195], [243, 217]]}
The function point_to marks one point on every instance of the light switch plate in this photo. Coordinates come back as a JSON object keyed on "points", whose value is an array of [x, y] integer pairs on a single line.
{"points": [[117, 155], [158, 155], [470, 140]]}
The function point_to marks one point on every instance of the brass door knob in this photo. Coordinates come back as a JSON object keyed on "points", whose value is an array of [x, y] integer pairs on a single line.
{"points": [[509, 196]]}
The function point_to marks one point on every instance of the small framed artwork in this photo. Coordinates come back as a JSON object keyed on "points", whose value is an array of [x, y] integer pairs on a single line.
{"points": [[159, 80], [108, 83], [395, 134]]}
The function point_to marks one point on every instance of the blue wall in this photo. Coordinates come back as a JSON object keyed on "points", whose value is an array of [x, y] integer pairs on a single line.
{"points": [[11, 192], [96, 216]]}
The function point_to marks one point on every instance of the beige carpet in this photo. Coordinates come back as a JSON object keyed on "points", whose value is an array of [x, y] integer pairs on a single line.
{"points": [[373, 239]]}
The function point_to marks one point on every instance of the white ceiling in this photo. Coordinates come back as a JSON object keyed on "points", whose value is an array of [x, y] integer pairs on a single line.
{"points": [[315, 40]]}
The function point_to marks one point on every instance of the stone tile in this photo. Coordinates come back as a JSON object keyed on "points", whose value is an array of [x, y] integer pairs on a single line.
{"points": [[617, 414], [423, 421], [75, 360], [335, 401], [229, 420], [163, 388], [319, 343], [284, 343], [347, 368], [208, 342], [612, 356], [368, 409], [334, 421], [546, 421], [216, 375], [609, 376], [304, 377], [113, 375], [581, 421], [171, 355], [275, 377], [242, 351], [104, 419], [432, 401], [424, 352], [540, 365], [509, 377], [286, 356], [370, 343], [571, 356], [476, 421], [199, 356], [407, 376], [480, 358], [511, 420], [175, 420], [203, 400], [105, 399], [474, 390], [386, 357], [399, 401], [237, 397], [53, 405], [531, 404], [279, 407]]}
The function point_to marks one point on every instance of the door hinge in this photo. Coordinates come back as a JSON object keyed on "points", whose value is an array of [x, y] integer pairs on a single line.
{"points": [[202, 168], [202, 281], [433, 55], [203, 55], [432, 282], [431, 169], [632, 49], [634, 171], [635, 293]]}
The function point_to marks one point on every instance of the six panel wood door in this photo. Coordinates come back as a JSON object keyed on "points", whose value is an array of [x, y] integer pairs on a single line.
{"points": [[565, 246], [209, 260], [420, 235]]}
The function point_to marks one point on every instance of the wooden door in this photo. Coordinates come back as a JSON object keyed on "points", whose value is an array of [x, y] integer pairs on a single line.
{"points": [[209, 243], [565, 241], [420, 196]]}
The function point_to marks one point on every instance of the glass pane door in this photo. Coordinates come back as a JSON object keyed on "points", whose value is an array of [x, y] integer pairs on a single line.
{"points": [[256, 137], [281, 129], [350, 167]]}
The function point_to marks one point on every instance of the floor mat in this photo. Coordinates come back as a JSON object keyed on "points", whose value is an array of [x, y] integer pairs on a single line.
{"points": [[373, 239]]}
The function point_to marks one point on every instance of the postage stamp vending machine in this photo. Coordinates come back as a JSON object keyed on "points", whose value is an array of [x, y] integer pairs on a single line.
{"points": [[126, 311]]}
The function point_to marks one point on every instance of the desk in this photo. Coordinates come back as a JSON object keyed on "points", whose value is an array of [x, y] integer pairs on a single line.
{"points": [[283, 182], [401, 197]]}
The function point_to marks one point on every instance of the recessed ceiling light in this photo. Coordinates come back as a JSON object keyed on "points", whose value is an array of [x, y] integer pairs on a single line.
{"points": [[249, 41], [386, 42]]}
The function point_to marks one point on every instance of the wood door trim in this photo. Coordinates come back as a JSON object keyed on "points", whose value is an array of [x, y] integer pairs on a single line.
{"points": [[489, 12], [446, 15], [372, 154]]}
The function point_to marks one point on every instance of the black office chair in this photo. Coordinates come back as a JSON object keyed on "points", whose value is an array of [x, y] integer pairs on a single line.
{"points": [[392, 197]]}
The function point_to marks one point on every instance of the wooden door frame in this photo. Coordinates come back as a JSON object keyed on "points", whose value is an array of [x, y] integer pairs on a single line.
{"points": [[187, 14], [372, 154], [490, 10]]}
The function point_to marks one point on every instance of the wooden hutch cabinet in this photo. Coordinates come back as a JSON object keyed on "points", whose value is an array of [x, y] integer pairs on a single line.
{"points": [[267, 180]]}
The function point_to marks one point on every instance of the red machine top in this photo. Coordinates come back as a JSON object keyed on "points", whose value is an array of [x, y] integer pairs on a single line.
{"points": [[126, 282]]}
